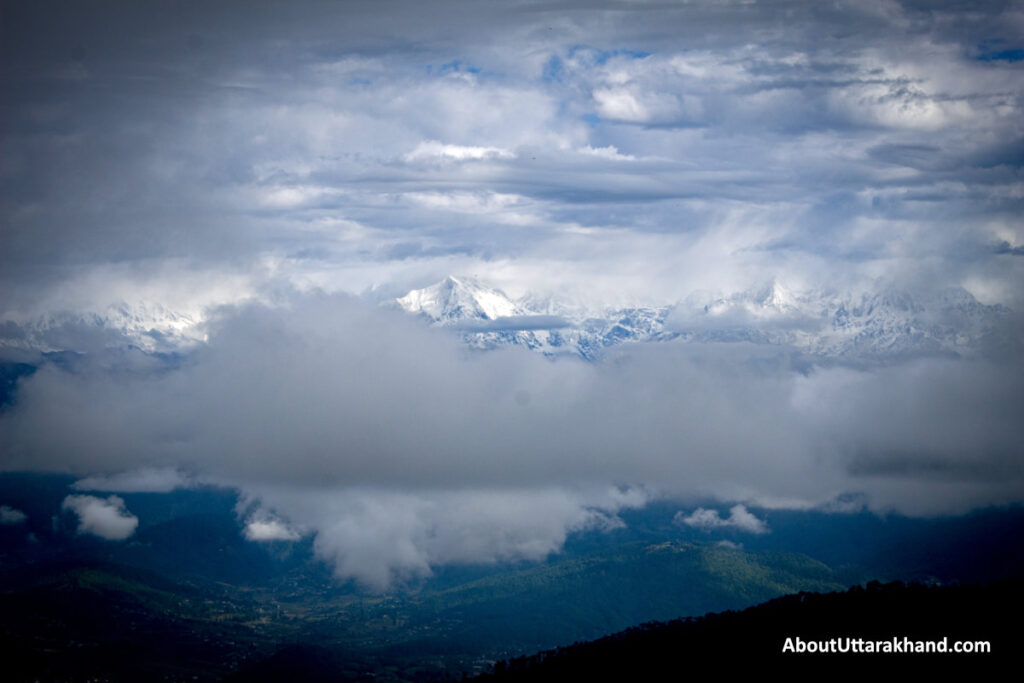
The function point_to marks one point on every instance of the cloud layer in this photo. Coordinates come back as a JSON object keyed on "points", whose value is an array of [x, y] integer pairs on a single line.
{"points": [[621, 152], [329, 390], [191, 195], [400, 449]]}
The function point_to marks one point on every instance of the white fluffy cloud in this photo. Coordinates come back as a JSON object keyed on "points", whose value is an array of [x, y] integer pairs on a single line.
{"points": [[739, 519], [104, 517], [270, 529]]}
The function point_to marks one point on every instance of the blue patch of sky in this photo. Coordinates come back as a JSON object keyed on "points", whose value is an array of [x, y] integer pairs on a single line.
{"points": [[457, 66], [989, 51], [604, 55], [553, 70], [599, 56], [592, 119], [1002, 56]]}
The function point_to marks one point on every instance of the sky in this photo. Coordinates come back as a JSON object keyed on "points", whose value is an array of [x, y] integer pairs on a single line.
{"points": [[272, 172]]}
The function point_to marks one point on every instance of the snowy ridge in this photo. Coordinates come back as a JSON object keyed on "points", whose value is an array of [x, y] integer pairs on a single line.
{"points": [[148, 326], [887, 323], [875, 325], [866, 326], [543, 325]]}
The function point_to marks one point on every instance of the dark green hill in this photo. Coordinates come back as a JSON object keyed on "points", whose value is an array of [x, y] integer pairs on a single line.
{"points": [[98, 620], [753, 641]]}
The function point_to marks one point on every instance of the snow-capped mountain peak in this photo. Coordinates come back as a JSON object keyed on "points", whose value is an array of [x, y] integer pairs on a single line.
{"points": [[779, 297], [457, 300], [487, 318]]}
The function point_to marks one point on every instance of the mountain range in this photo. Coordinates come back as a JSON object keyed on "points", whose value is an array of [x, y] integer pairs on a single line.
{"points": [[886, 324]]}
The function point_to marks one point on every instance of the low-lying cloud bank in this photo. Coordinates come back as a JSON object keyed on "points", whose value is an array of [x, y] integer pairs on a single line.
{"points": [[401, 451], [380, 536]]}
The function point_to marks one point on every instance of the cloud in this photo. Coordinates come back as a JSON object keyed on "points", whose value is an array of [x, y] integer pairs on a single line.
{"points": [[432, 149], [181, 226], [739, 519], [747, 140], [270, 530], [512, 323], [380, 537], [11, 516], [1005, 248], [398, 451], [145, 480], [609, 152], [107, 518], [329, 390]]}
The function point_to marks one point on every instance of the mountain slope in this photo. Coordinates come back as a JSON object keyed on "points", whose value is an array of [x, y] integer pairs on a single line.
{"points": [[100, 621], [455, 300], [754, 640], [587, 596]]}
